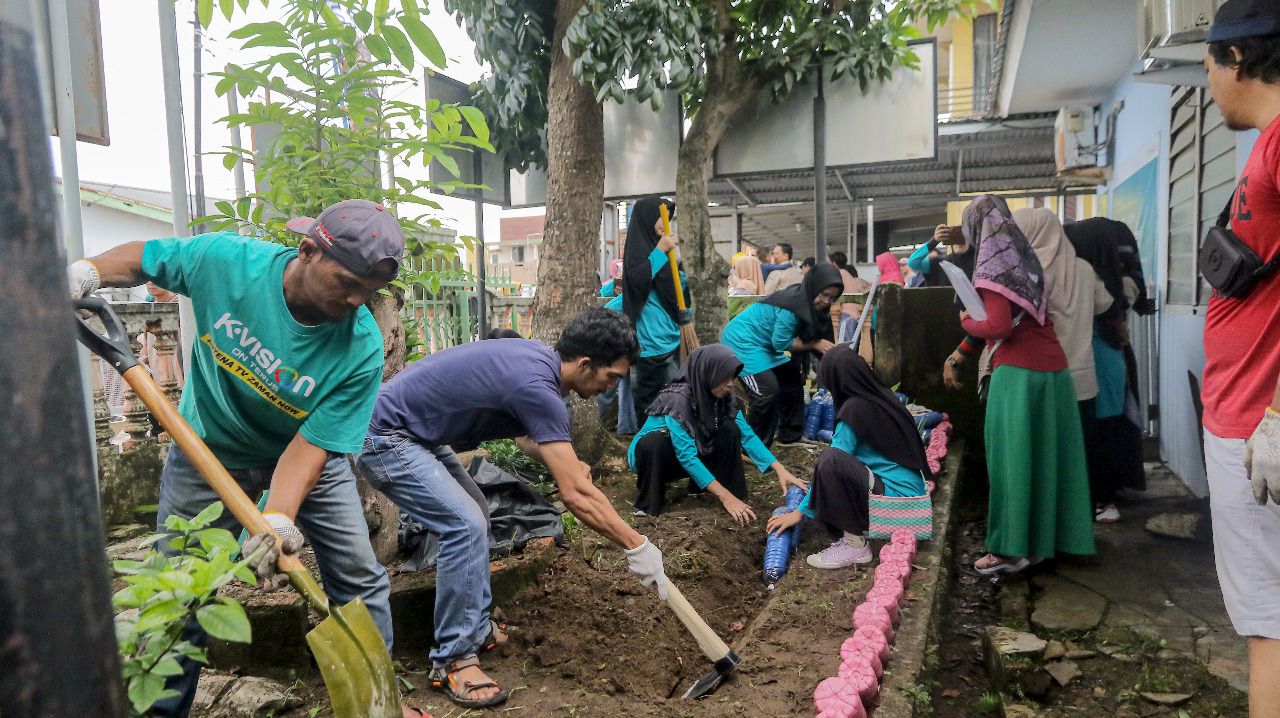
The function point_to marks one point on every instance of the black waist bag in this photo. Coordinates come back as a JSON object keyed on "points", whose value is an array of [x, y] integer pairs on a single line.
{"points": [[1227, 263]]}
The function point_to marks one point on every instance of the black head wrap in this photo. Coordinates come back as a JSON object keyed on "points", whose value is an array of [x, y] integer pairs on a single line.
{"points": [[638, 278], [1097, 241], [798, 299], [871, 410], [688, 398]]}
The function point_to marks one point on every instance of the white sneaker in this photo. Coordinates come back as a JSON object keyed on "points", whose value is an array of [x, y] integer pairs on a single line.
{"points": [[1109, 514]]}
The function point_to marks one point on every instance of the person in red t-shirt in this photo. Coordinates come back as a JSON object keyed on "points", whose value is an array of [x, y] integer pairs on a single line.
{"points": [[1242, 351]]}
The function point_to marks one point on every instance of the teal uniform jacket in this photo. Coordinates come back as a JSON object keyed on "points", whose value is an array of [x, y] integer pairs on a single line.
{"points": [[687, 450], [760, 336], [898, 480], [657, 332]]}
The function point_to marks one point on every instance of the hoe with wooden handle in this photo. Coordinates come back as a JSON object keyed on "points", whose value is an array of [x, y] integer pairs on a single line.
{"points": [[724, 658]]}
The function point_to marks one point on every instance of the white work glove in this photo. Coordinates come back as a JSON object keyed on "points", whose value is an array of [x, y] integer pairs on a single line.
{"points": [[83, 279], [1262, 458], [645, 561], [264, 566]]}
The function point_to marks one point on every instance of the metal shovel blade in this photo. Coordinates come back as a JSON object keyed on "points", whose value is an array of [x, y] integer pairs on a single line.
{"points": [[355, 664], [708, 683]]}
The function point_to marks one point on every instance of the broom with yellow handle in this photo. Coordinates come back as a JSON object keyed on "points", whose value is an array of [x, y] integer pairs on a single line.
{"points": [[688, 337]]}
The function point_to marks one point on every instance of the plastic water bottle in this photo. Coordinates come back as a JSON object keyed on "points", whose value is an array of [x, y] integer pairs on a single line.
{"points": [[813, 414], [795, 495], [777, 553], [930, 420], [828, 414]]}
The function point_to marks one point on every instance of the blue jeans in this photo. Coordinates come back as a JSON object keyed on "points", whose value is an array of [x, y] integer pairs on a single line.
{"points": [[430, 484], [331, 518], [626, 406]]}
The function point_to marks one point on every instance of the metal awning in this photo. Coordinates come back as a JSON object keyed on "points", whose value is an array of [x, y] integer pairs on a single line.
{"points": [[1013, 154]]}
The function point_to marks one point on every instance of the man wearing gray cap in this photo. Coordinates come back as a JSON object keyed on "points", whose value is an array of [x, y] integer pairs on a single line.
{"points": [[284, 374], [1242, 347]]}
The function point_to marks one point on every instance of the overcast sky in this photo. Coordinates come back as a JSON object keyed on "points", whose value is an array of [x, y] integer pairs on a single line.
{"points": [[138, 154]]}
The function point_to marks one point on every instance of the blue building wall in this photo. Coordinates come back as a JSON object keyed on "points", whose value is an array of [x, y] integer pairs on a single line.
{"points": [[1171, 344]]}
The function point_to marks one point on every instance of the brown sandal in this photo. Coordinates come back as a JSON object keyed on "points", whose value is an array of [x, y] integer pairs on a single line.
{"points": [[491, 639], [457, 691]]}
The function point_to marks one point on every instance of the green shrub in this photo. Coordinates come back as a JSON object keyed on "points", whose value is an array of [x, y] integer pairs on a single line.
{"points": [[165, 593]]}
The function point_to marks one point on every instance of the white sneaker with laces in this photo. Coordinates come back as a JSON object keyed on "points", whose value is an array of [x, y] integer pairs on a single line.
{"points": [[1109, 514]]}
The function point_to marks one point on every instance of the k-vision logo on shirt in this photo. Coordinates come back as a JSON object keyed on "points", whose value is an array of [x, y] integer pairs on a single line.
{"points": [[259, 367]]}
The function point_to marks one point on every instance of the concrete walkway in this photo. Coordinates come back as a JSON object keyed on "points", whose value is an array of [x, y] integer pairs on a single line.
{"points": [[1162, 588]]}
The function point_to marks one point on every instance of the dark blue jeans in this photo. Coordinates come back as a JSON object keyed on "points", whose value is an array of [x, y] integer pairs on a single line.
{"points": [[331, 518]]}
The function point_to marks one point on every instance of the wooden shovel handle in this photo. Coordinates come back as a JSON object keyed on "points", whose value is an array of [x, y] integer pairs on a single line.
{"points": [[233, 497], [671, 257], [709, 643]]}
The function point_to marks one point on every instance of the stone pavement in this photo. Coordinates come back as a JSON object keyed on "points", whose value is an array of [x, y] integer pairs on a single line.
{"points": [[1162, 588]]}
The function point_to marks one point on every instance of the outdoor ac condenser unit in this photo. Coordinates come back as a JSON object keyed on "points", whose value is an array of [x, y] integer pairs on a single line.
{"points": [[1075, 139], [1177, 22]]}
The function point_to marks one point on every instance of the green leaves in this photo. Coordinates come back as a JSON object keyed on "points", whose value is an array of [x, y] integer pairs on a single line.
{"points": [[225, 620], [424, 40], [164, 593], [204, 12], [399, 44]]}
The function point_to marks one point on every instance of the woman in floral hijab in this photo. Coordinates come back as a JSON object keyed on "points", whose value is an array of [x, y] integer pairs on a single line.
{"points": [[1039, 497]]}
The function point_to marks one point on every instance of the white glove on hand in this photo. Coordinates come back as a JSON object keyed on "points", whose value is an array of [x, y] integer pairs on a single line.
{"points": [[265, 565], [645, 561], [1262, 459], [83, 279]]}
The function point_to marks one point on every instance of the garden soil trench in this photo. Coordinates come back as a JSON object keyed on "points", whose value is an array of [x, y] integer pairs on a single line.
{"points": [[588, 640]]}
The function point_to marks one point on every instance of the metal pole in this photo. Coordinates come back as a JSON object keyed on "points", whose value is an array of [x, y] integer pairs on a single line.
{"points": [[59, 656], [64, 100], [177, 158], [482, 327], [820, 171], [72, 220], [850, 230], [871, 231], [197, 106]]}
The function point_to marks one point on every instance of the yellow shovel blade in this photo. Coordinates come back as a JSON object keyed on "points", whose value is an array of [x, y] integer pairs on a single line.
{"points": [[355, 664]]}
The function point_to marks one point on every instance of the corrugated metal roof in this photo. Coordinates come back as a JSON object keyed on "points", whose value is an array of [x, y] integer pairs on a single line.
{"points": [[973, 157]]}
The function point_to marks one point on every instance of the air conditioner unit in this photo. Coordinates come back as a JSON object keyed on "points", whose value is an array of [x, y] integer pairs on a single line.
{"points": [[1075, 139], [1176, 29]]}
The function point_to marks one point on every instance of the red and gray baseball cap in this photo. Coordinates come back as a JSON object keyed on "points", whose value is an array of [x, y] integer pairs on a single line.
{"points": [[358, 233]]}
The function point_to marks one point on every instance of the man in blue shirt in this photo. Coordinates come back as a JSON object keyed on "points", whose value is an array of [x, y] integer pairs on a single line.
{"points": [[283, 379], [459, 397]]}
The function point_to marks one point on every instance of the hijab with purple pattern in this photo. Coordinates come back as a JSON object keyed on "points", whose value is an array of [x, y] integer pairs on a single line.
{"points": [[1006, 263]]}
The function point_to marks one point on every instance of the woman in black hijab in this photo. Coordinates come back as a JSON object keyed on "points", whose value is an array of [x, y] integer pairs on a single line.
{"points": [[695, 429], [876, 448], [649, 299], [1114, 448], [794, 319]]}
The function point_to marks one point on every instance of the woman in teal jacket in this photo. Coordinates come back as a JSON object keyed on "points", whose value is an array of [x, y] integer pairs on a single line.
{"points": [[876, 449], [649, 299], [696, 429], [797, 318]]}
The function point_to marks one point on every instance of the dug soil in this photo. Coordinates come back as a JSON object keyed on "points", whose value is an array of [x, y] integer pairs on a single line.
{"points": [[588, 640]]}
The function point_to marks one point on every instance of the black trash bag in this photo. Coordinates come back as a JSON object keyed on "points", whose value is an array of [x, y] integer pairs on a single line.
{"points": [[518, 512]]}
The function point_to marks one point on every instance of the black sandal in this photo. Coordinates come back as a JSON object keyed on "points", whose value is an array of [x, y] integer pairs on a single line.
{"points": [[443, 679]]}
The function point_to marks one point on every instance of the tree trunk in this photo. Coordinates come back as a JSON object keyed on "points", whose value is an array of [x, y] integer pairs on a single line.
{"points": [[567, 281], [728, 89], [386, 312], [380, 513]]}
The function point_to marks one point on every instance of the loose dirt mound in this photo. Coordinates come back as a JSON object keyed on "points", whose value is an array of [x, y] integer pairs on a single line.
{"points": [[589, 640]]}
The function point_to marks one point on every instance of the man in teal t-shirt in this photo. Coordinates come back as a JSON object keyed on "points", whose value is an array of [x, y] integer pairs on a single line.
{"points": [[285, 370]]}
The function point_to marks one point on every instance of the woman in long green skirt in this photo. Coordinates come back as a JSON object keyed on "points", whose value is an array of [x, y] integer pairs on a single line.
{"points": [[1039, 504]]}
